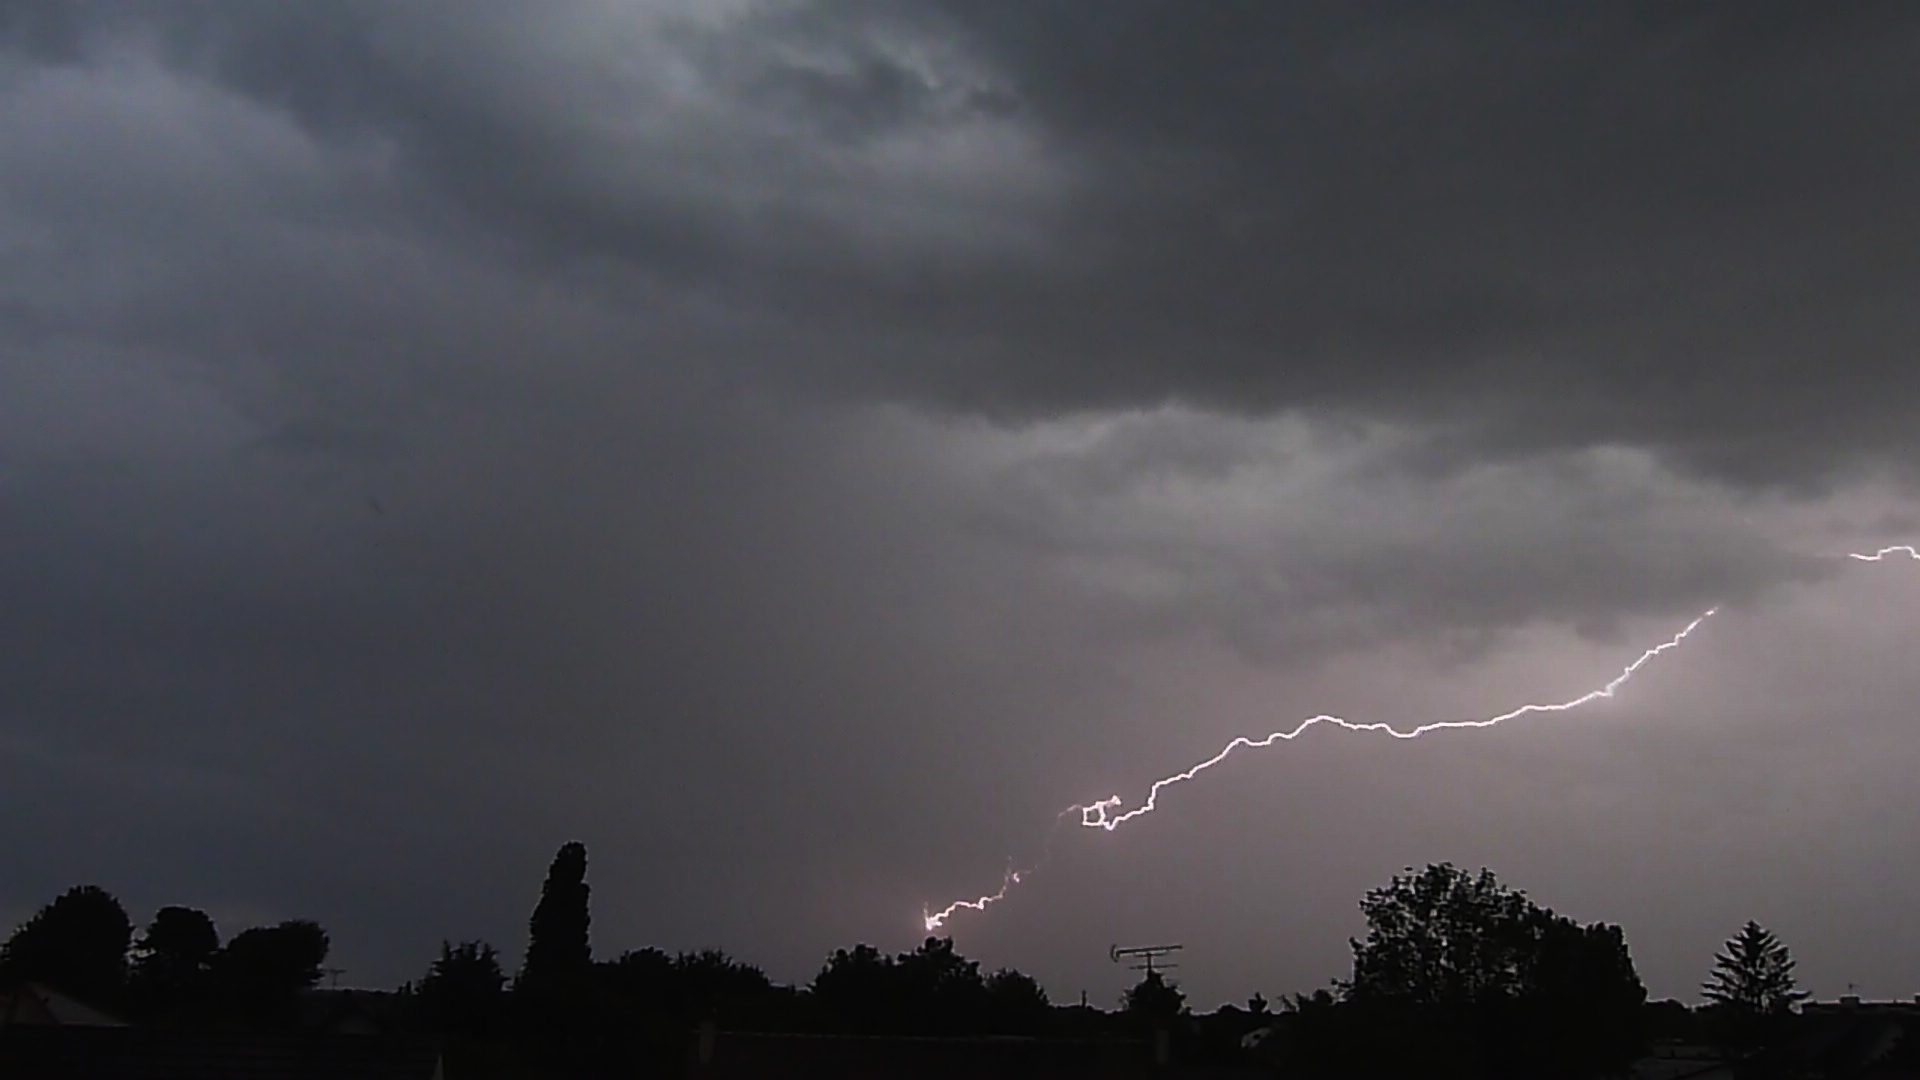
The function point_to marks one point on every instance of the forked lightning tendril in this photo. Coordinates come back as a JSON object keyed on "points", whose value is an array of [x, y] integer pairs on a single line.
{"points": [[1100, 814], [933, 919]]}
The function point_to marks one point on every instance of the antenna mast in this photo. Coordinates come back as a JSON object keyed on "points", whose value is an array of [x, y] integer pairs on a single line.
{"points": [[1148, 955]]}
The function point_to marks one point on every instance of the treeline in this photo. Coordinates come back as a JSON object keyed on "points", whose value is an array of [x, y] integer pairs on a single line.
{"points": [[176, 971], [1458, 975], [561, 992]]}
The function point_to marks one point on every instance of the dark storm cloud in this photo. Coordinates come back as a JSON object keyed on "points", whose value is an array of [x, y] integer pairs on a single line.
{"points": [[1180, 518], [315, 708], [424, 438], [1681, 226], [1674, 224]]}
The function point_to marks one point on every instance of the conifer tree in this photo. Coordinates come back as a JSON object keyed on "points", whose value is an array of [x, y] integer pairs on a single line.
{"points": [[558, 951], [1754, 975]]}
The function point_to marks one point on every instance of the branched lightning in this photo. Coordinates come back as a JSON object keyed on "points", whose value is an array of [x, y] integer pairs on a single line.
{"points": [[1101, 814]]}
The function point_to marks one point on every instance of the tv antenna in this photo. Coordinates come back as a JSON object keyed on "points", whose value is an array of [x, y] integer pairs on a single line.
{"points": [[1148, 955]]}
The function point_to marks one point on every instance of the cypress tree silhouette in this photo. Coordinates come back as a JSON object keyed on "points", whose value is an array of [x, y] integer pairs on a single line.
{"points": [[559, 955]]}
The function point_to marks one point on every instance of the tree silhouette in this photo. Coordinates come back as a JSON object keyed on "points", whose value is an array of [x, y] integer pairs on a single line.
{"points": [[1441, 937], [932, 990], [463, 989], [643, 981], [1155, 1000], [678, 992], [1461, 970], [1754, 974], [78, 944], [1015, 1004], [714, 986], [173, 959], [262, 970], [1580, 1005], [1752, 988], [856, 989], [942, 991], [559, 954]]}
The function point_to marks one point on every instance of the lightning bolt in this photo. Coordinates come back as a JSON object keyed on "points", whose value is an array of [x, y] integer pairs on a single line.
{"points": [[1097, 815], [1101, 813], [1898, 549], [933, 919]]}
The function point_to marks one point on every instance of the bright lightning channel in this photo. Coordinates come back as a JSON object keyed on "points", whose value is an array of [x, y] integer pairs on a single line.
{"points": [[933, 919], [1096, 815], [1898, 549], [1100, 814]]}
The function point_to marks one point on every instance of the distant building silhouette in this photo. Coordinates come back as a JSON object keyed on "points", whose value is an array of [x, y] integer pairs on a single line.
{"points": [[1852, 1003]]}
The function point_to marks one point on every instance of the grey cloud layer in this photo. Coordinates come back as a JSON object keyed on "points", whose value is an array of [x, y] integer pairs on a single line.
{"points": [[812, 442], [1285, 540], [1680, 227]]}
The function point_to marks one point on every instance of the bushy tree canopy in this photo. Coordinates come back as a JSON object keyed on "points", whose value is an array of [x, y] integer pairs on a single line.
{"points": [[78, 944], [173, 960], [274, 961], [1466, 973], [1155, 1000]]}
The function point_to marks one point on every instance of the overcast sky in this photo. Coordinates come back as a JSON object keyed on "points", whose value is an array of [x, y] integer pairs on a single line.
{"points": [[798, 446]]}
